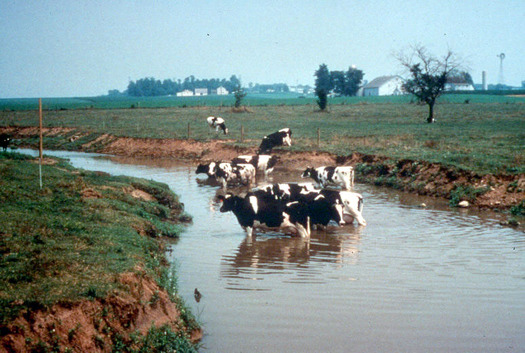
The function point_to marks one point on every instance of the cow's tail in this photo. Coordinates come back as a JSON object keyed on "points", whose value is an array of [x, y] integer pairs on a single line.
{"points": [[360, 204]]}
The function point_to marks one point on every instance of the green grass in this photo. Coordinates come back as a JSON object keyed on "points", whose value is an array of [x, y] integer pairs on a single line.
{"points": [[485, 136], [261, 99], [71, 239]]}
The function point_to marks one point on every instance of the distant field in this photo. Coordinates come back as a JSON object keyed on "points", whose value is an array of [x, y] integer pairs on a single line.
{"points": [[106, 102], [486, 136]]}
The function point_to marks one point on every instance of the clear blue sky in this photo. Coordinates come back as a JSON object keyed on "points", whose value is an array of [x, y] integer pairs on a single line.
{"points": [[84, 48]]}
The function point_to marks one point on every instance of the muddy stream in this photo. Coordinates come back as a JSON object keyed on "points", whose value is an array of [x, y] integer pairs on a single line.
{"points": [[415, 279]]}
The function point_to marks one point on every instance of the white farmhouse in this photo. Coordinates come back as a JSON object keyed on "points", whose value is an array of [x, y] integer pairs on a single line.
{"points": [[201, 91], [221, 91], [384, 86], [185, 93]]}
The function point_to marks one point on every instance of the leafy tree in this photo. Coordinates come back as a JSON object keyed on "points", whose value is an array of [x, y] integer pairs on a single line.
{"points": [[457, 76], [428, 75], [346, 83], [323, 85], [338, 82], [239, 95], [353, 79]]}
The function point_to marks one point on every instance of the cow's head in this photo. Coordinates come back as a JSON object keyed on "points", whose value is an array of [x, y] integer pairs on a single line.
{"points": [[202, 168], [229, 202], [308, 173]]}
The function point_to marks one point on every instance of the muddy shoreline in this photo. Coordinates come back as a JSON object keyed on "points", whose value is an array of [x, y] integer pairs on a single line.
{"points": [[495, 192]]}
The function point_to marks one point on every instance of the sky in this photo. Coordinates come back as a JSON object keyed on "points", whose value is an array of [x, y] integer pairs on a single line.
{"points": [[87, 47]]}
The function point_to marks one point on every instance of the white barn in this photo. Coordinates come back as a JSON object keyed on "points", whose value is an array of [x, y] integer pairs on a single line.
{"points": [[201, 91], [221, 91], [384, 86], [185, 93]]}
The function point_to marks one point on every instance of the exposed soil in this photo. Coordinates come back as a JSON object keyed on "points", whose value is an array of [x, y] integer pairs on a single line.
{"points": [[91, 325]]}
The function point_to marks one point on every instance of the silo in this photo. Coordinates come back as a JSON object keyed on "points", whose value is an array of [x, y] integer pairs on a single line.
{"points": [[484, 80]]}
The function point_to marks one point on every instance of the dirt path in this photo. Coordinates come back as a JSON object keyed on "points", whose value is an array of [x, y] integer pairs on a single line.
{"points": [[483, 191]]}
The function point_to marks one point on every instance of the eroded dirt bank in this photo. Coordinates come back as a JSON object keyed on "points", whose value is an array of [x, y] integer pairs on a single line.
{"points": [[96, 325], [484, 191]]}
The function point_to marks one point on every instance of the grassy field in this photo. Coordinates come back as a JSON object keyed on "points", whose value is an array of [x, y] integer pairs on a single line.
{"points": [[485, 136], [124, 102], [70, 240]]}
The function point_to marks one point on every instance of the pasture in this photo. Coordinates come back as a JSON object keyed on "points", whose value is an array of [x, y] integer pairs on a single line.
{"points": [[487, 135]]}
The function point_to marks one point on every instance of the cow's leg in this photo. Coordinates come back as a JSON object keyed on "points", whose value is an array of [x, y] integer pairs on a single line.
{"points": [[249, 231]]}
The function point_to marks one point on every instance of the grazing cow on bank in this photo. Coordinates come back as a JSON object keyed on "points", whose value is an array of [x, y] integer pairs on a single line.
{"points": [[217, 123], [341, 176], [282, 137], [226, 174], [262, 162], [253, 210], [5, 139]]}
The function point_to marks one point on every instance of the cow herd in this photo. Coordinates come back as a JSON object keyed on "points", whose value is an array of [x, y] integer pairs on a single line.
{"points": [[288, 207]]}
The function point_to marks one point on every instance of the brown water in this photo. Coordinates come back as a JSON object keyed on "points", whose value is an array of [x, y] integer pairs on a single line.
{"points": [[414, 280]]}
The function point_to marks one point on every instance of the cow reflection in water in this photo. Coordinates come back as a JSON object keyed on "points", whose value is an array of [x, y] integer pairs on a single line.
{"points": [[281, 253]]}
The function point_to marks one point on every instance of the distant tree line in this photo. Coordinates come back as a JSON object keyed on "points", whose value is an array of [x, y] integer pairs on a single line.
{"points": [[339, 83], [268, 88], [149, 86]]}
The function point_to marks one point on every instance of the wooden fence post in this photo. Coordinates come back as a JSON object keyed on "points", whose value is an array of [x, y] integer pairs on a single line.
{"points": [[189, 131], [318, 137], [41, 147], [242, 134]]}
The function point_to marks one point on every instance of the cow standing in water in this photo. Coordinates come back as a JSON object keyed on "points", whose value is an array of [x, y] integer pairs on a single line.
{"points": [[263, 163], [339, 176], [254, 210], [282, 137], [217, 123]]}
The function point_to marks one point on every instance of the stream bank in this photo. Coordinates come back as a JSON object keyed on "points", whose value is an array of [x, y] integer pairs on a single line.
{"points": [[495, 192]]}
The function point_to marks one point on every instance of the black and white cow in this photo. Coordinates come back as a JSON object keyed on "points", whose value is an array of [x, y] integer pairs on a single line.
{"points": [[254, 210], [217, 123], [5, 139], [320, 209], [262, 162], [208, 169], [340, 176], [282, 137], [351, 202], [226, 173], [353, 207], [287, 191]]}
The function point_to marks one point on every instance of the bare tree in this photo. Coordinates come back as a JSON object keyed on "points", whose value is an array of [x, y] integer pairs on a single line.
{"points": [[428, 74]]}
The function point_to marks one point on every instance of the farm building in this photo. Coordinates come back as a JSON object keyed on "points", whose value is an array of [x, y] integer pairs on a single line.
{"points": [[185, 93], [201, 91], [221, 91], [384, 86], [458, 84]]}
